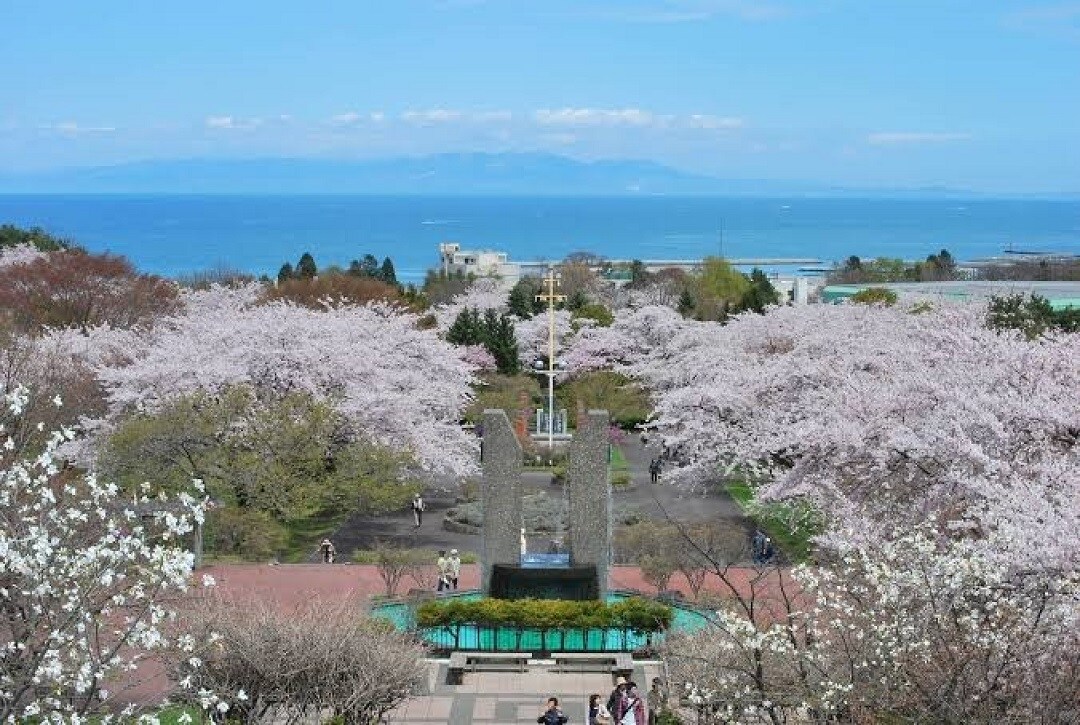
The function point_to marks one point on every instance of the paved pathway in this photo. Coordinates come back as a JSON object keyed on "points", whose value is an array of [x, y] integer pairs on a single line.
{"points": [[504, 698], [656, 502]]}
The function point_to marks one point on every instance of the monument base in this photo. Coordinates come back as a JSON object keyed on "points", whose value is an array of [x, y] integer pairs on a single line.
{"points": [[521, 582]]}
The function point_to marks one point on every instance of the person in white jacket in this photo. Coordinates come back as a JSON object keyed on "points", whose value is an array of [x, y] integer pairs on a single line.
{"points": [[453, 565]]}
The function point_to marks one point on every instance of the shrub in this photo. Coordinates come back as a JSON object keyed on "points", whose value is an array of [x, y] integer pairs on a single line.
{"points": [[299, 666], [620, 478], [875, 296], [250, 534], [314, 292], [635, 613]]}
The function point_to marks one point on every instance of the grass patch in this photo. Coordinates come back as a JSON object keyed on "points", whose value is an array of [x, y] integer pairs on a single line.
{"points": [[618, 460], [778, 521], [305, 534]]}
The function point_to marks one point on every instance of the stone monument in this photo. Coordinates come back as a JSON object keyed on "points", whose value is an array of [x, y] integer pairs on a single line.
{"points": [[501, 463], [506, 569], [589, 493]]}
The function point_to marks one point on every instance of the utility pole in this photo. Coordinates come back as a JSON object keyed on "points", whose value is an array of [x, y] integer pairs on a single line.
{"points": [[551, 281]]}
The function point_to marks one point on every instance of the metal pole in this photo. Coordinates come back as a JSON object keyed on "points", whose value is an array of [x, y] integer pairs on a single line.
{"points": [[551, 366]]}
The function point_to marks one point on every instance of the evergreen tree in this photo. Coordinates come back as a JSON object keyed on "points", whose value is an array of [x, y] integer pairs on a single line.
{"points": [[500, 341], [761, 293], [285, 273], [387, 273], [369, 266], [466, 329], [577, 300], [520, 301], [686, 302], [306, 268]]}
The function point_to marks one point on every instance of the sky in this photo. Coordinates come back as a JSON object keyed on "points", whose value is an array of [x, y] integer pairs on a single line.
{"points": [[971, 94]]}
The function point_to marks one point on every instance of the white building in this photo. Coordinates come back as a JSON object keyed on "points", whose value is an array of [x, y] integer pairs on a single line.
{"points": [[481, 263]]}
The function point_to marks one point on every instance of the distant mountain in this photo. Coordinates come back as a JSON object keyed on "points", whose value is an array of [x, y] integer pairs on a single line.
{"points": [[477, 173]]}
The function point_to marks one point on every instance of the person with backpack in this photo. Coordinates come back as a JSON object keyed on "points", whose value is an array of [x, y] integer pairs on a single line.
{"points": [[631, 710]]}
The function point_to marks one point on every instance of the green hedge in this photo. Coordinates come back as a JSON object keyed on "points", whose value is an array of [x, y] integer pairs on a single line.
{"points": [[635, 613]]}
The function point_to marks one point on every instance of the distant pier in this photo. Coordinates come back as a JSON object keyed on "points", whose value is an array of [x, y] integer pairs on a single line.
{"points": [[653, 265]]}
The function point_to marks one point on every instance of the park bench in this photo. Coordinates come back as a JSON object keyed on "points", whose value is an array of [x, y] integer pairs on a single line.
{"points": [[473, 661], [619, 664]]}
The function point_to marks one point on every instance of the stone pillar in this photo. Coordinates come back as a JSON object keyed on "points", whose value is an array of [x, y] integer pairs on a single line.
{"points": [[500, 538], [590, 496]]}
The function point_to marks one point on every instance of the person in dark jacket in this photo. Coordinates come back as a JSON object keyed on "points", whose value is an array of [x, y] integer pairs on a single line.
{"points": [[616, 694], [552, 715]]}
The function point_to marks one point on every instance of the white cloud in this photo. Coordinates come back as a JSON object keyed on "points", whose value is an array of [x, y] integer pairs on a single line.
{"points": [[594, 117], [377, 116], [345, 118], [231, 123], [891, 138], [435, 115], [71, 128], [706, 121], [493, 117]]}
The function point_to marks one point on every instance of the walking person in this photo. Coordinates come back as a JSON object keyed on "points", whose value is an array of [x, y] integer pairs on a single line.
{"points": [[655, 700], [552, 715], [598, 712], [442, 567], [767, 551], [417, 511], [757, 547], [327, 550], [453, 565], [631, 710]]}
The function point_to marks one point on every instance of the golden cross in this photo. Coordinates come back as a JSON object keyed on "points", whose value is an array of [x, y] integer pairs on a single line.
{"points": [[551, 281]]}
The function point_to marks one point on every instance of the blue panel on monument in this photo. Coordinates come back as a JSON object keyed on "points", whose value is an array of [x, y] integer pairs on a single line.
{"points": [[545, 561], [568, 582]]}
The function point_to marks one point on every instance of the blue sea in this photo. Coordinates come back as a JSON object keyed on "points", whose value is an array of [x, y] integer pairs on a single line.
{"points": [[177, 234]]}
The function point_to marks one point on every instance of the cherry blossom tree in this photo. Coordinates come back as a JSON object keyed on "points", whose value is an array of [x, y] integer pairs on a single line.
{"points": [[19, 254], [532, 336], [878, 416], [401, 386], [85, 581], [913, 629], [46, 370], [943, 458]]}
